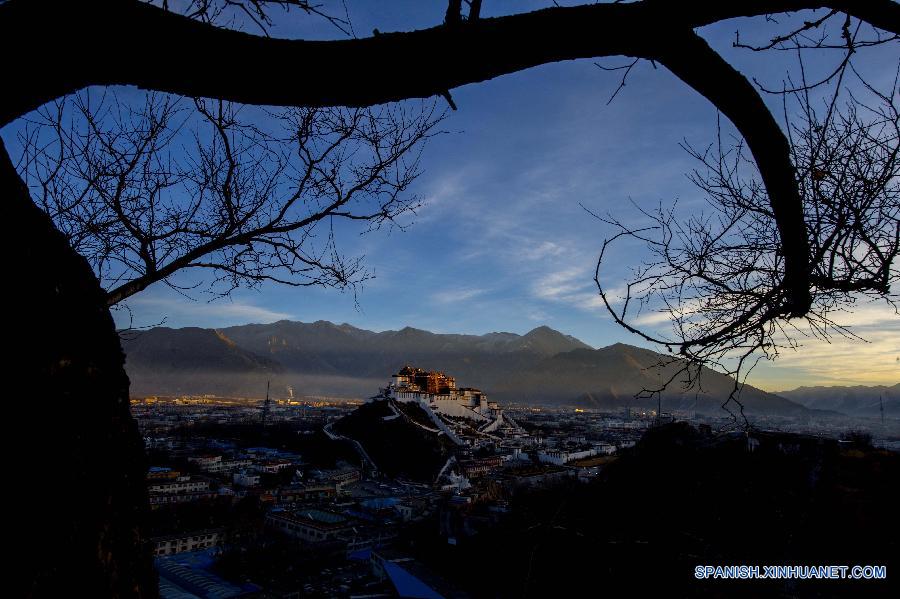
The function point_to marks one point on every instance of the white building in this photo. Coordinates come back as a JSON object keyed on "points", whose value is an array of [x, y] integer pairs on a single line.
{"points": [[246, 479], [206, 462], [438, 395], [274, 466], [560, 457], [182, 484], [191, 541]]}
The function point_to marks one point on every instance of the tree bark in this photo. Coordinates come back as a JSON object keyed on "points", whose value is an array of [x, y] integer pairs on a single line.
{"points": [[691, 59], [62, 46], [78, 466]]}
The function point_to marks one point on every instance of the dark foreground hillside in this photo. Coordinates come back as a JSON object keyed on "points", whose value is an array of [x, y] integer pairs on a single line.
{"points": [[398, 447], [681, 499]]}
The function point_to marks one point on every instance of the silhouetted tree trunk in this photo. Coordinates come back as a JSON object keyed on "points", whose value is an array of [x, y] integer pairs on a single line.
{"points": [[77, 459]]}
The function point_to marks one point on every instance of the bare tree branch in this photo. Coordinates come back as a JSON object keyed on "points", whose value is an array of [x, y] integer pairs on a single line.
{"points": [[176, 184], [719, 278], [342, 70], [343, 76]]}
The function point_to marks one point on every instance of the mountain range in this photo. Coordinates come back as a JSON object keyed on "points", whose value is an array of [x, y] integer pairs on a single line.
{"points": [[322, 358], [857, 400]]}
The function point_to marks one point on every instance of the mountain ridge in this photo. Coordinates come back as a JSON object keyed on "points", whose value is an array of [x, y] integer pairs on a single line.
{"points": [[853, 400], [323, 358]]}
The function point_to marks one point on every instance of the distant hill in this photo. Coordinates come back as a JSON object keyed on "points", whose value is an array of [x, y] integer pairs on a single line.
{"points": [[610, 377], [858, 400], [164, 361], [326, 348], [323, 358]]}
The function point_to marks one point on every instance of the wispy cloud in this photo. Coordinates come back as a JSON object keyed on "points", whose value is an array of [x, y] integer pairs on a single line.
{"points": [[653, 319], [544, 250], [454, 296], [573, 286], [560, 285], [179, 312], [447, 194]]}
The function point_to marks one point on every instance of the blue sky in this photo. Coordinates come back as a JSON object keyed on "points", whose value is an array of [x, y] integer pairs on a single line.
{"points": [[502, 243]]}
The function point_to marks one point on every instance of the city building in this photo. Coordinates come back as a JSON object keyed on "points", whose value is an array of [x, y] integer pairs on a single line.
{"points": [[181, 484], [186, 541], [309, 525]]}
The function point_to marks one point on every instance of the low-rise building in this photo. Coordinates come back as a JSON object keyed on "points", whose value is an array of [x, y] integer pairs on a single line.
{"points": [[182, 484], [274, 466], [480, 466], [246, 479], [304, 492], [345, 477], [162, 473], [309, 525], [560, 457], [189, 541], [170, 498], [206, 462]]}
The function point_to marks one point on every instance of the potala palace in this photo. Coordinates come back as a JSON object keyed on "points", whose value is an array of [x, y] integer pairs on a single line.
{"points": [[460, 412]]}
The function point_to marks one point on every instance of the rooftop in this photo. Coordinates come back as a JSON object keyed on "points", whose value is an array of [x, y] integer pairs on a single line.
{"points": [[313, 517]]}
